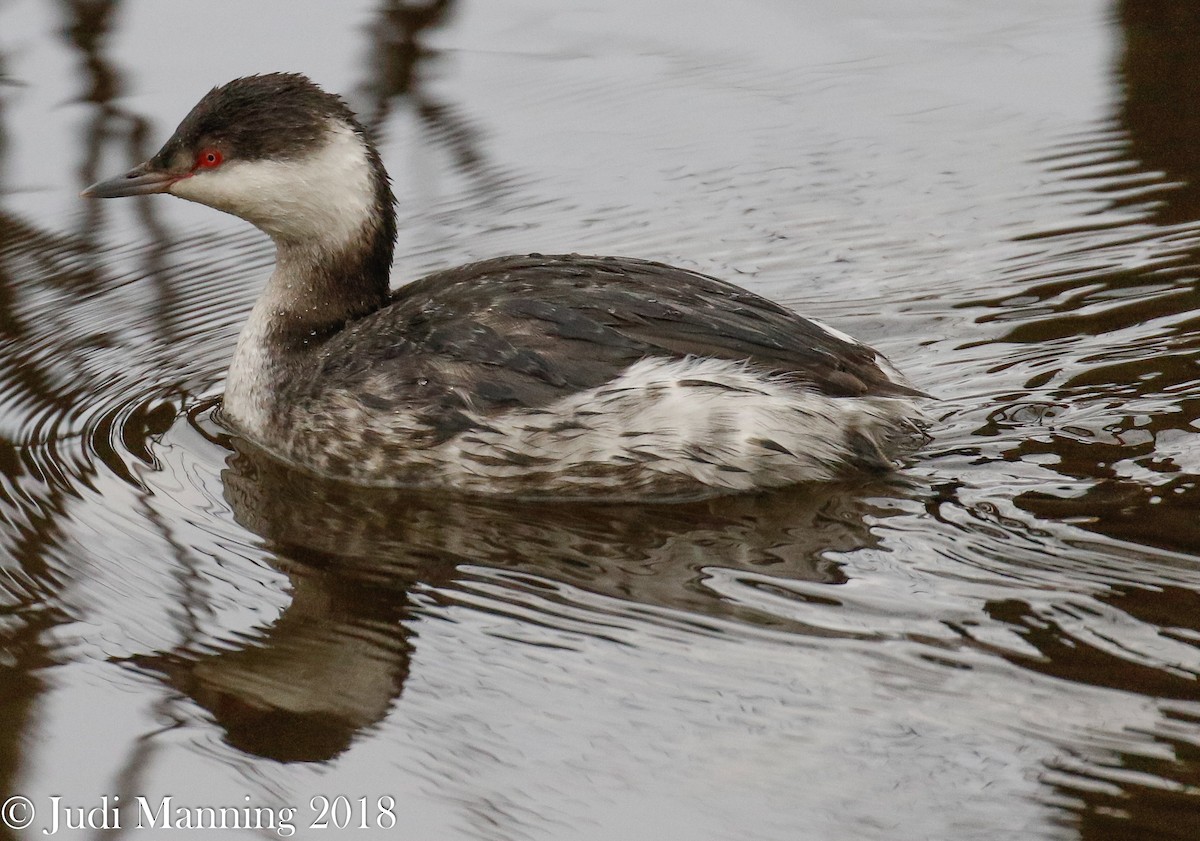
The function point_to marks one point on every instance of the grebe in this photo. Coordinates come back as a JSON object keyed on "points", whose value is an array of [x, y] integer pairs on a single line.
{"points": [[569, 376]]}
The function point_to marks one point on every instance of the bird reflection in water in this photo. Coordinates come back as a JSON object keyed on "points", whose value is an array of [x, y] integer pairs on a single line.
{"points": [[336, 659]]}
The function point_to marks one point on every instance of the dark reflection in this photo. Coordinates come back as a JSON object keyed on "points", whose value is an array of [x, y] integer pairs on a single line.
{"points": [[1161, 89], [1123, 798], [397, 53], [336, 659], [31, 261], [400, 63], [328, 667], [1122, 509], [1122, 480], [1134, 794], [87, 27], [1066, 656], [1154, 168], [1128, 795], [87, 23], [5, 83], [22, 634], [37, 472]]}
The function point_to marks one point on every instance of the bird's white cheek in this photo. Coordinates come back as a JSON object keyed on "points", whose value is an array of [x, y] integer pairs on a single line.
{"points": [[235, 188], [326, 196]]}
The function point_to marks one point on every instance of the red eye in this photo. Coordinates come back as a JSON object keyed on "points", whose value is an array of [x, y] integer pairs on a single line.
{"points": [[208, 159]]}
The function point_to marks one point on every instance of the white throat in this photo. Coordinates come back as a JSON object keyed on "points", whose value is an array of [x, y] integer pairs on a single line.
{"points": [[323, 200], [250, 381]]}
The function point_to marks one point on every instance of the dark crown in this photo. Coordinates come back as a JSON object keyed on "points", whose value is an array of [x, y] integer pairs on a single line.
{"points": [[275, 115]]}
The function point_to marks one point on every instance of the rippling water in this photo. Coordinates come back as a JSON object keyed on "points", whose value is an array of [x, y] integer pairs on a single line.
{"points": [[998, 642]]}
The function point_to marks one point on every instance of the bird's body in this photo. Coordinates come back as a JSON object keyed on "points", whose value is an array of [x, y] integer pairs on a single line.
{"points": [[531, 375]]}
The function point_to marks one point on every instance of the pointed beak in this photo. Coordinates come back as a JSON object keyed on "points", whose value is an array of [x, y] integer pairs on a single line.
{"points": [[142, 180]]}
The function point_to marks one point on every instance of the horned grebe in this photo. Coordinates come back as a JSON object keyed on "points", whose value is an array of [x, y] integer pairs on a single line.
{"points": [[529, 375]]}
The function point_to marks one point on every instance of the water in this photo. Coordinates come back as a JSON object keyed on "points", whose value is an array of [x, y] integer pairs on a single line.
{"points": [[998, 642]]}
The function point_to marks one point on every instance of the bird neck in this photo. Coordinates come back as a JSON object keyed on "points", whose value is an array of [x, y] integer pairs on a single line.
{"points": [[330, 274], [316, 289], [313, 293]]}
